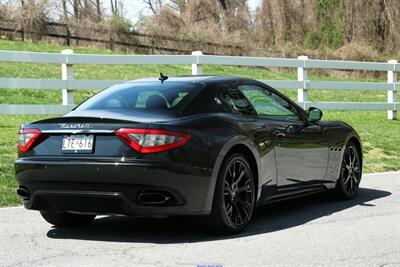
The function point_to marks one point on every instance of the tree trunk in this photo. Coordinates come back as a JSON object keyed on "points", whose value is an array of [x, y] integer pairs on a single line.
{"points": [[112, 7], [381, 24], [223, 4], [98, 10], [286, 21], [22, 23], [76, 15], [66, 22], [271, 23], [76, 9], [116, 6], [348, 21]]}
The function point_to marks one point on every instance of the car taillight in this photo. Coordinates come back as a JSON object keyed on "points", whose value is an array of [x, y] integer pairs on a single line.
{"points": [[27, 138], [151, 140]]}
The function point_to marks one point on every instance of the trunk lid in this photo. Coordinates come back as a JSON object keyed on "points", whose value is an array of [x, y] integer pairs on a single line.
{"points": [[97, 124]]}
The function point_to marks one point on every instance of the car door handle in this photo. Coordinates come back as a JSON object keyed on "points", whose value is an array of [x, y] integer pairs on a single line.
{"points": [[279, 133]]}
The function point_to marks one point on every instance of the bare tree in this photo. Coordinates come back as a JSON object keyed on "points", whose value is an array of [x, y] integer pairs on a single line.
{"points": [[66, 20], [115, 6], [112, 6], [32, 17], [154, 5], [98, 10], [178, 5], [373, 23], [265, 30], [65, 11], [22, 25], [223, 3], [75, 6]]}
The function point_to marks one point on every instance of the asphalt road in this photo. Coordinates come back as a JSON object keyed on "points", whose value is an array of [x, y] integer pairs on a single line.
{"points": [[317, 230]]}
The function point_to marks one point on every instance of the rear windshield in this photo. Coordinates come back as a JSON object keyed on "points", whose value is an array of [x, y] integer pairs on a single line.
{"points": [[169, 96]]}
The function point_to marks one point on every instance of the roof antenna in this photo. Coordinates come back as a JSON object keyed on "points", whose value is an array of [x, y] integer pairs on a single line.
{"points": [[162, 78]]}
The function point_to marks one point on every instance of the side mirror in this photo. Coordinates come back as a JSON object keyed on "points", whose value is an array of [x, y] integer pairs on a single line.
{"points": [[314, 114]]}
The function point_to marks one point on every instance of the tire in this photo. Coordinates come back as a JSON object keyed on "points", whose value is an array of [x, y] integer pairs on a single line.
{"points": [[66, 219], [234, 196], [350, 173]]}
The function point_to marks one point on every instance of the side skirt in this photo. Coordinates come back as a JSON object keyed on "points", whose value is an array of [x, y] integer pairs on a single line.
{"points": [[281, 196]]}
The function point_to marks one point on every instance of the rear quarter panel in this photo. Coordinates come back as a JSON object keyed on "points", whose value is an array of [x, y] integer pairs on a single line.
{"points": [[213, 135]]}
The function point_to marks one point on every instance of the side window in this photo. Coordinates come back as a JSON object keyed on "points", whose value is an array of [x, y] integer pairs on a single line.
{"points": [[267, 103], [205, 102], [237, 102]]}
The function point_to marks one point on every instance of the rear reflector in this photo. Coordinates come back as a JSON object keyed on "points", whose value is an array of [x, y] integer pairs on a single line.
{"points": [[27, 138], [150, 140]]}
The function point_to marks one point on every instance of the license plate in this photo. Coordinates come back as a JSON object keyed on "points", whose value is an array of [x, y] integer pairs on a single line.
{"points": [[78, 143]]}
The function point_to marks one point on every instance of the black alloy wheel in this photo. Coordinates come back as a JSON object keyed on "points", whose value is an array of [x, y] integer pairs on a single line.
{"points": [[238, 192], [234, 198], [350, 172]]}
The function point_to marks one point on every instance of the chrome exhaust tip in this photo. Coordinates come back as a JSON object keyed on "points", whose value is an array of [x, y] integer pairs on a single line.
{"points": [[153, 198], [23, 192]]}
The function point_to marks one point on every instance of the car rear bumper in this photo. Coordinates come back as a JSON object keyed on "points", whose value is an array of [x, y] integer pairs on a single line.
{"points": [[115, 187]]}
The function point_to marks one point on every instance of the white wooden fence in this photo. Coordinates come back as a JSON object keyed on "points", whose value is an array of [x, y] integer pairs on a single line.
{"points": [[68, 84]]}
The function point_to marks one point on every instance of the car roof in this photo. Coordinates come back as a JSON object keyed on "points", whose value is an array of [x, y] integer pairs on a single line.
{"points": [[194, 78]]}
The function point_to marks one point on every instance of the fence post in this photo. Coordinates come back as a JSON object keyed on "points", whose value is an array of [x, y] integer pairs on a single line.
{"points": [[67, 73], [392, 94], [196, 68], [302, 75]]}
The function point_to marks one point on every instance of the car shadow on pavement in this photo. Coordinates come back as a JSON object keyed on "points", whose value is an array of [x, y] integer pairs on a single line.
{"points": [[270, 218]]}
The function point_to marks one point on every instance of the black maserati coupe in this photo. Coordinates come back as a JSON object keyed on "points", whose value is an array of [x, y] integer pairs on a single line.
{"points": [[216, 146]]}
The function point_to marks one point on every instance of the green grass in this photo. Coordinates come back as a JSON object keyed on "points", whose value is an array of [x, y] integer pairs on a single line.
{"points": [[379, 135]]}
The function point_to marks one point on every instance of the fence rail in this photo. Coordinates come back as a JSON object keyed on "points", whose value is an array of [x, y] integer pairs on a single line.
{"points": [[68, 84]]}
